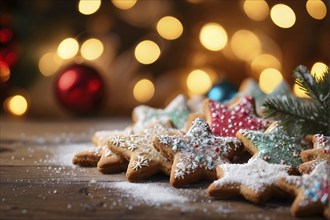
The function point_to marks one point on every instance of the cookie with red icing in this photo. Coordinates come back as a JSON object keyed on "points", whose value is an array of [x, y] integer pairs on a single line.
{"points": [[311, 191], [255, 180], [196, 154], [225, 120], [319, 153]]}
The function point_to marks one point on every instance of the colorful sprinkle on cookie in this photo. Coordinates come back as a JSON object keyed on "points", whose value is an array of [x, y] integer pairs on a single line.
{"points": [[177, 111], [196, 155], [255, 180], [226, 121], [311, 191], [314, 156], [273, 146]]}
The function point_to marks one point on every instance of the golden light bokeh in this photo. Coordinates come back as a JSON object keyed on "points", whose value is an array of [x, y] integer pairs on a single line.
{"points": [[213, 36], [256, 10], [264, 61], [245, 45], [4, 72], [198, 82], [68, 48], [88, 7], [269, 79], [49, 63], [316, 9], [318, 69], [299, 92], [16, 105], [169, 28], [91, 49], [147, 52], [144, 90], [283, 16], [124, 4]]}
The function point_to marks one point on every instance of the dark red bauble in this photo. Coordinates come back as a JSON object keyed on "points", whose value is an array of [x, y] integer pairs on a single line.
{"points": [[80, 89]]}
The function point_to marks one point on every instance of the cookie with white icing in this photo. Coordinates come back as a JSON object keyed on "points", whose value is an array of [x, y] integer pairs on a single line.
{"points": [[144, 160], [196, 154], [177, 111], [255, 180], [319, 153], [311, 191]]}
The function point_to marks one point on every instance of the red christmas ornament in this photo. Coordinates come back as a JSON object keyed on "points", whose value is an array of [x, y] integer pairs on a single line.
{"points": [[80, 88]]}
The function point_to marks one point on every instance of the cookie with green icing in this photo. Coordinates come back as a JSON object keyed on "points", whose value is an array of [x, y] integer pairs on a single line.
{"points": [[274, 146], [177, 111], [144, 160], [319, 153], [196, 154], [311, 191], [255, 180]]}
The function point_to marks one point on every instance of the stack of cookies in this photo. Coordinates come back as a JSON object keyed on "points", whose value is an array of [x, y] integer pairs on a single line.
{"points": [[208, 141]]}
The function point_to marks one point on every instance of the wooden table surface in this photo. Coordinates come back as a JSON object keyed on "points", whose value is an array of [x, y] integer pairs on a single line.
{"points": [[38, 181]]}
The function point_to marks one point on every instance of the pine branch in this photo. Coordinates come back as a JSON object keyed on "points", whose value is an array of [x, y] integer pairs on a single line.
{"points": [[299, 117]]}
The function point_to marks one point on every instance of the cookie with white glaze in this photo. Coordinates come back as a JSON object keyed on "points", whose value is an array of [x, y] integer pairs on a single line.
{"points": [[255, 180], [196, 154], [311, 191]]}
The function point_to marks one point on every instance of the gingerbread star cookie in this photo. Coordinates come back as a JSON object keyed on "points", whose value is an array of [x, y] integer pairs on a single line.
{"points": [[196, 154], [88, 158], [144, 160], [255, 180], [226, 121], [311, 191], [177, 111], [312, 157], [273, 146], [249, 87]]}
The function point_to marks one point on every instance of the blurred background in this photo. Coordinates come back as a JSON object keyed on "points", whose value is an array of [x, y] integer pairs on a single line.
{"points": [[104, 57]]}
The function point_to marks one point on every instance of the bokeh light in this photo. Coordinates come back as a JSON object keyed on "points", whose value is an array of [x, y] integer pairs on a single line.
{"points": [[283, 16], [169, 28], [264, 61], [124, 4], [269, 79], [91, 49], [49, 63], [213, 37], [299, 92], [256, 10], [147, 52], [4, 72], [316, 9], [143, 90], [68, 48], [88, 7], [318, 69], [198, 82], [16, 105], [245, 45]]}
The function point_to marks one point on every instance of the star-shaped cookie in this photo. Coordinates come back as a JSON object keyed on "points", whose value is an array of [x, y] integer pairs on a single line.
{"points": [[249, 87], [273, 146], [311, 191], [255, 180], [144, 160], [314, 156], [177, 111], [226, 121], [196, 154]]}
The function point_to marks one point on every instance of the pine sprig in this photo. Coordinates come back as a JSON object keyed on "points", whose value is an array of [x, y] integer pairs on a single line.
{"points": [[303, 116]]}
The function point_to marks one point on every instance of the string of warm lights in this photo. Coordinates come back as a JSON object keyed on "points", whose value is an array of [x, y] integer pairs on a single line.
{"points": [[260, 53]]}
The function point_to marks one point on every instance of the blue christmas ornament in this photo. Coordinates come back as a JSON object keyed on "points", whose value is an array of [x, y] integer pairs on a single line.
{"points": [[222, 92]]}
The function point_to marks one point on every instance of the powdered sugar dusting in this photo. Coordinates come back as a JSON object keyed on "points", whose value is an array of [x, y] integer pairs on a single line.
{"points": [[150, 193]]}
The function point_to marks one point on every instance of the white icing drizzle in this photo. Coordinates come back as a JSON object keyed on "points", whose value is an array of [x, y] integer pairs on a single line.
{"points": [[140, 162]]}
